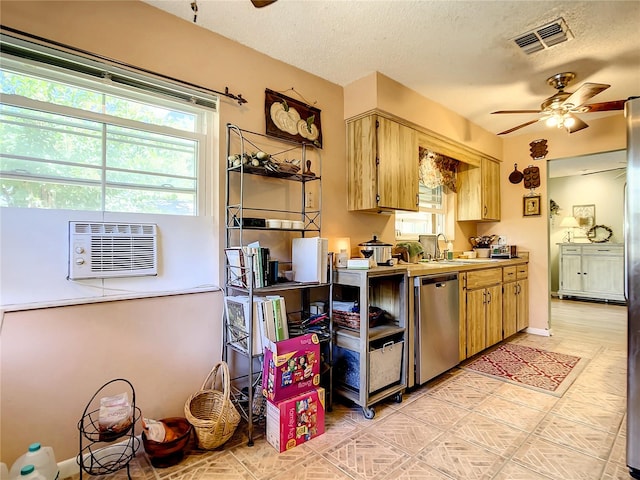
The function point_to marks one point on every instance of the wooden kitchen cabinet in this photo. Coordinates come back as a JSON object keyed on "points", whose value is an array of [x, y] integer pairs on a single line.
{"points": [[483, 309], [592, 271], [515, 299], [479, 191], [382, 165]]}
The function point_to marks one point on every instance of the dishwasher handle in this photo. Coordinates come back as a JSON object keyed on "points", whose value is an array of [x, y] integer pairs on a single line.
{"points": [[438, 280]]}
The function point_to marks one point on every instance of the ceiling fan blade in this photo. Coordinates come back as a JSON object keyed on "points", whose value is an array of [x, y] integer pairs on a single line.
{"points": [[519, 127], [577, 124], [262, 3], [517, 111], [605, 106], [584, 93]]}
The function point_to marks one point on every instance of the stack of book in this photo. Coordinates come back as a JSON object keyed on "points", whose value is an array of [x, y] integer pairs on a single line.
{"points": [[240, 259], [269, 321]]}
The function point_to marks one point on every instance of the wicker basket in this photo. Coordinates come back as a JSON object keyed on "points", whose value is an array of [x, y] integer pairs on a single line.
{"points": [[352, 319], [211, 412], [347, 319]]}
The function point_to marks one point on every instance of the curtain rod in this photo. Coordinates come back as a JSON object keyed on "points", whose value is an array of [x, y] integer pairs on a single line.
{"points": [[46, 42]]}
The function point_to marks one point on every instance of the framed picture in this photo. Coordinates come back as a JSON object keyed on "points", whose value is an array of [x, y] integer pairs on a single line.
{"points": [[291, 119], [585, 215], [531, 206]]}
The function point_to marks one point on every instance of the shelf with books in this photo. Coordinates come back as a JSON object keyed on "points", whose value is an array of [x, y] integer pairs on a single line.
{"points": [[276, 263]]}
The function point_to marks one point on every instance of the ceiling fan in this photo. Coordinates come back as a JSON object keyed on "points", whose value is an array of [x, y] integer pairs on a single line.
{"points": [[559, 110]]}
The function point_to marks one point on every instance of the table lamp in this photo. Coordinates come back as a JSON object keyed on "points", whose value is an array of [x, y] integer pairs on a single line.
{"points": [[343, 251], [569, 223]]}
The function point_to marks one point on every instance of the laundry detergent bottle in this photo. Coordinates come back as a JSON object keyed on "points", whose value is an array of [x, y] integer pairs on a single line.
{"points": [[42, 459]]}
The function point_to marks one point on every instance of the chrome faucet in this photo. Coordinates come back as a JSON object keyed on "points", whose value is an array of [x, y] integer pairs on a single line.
{"points": [[444, 237]]}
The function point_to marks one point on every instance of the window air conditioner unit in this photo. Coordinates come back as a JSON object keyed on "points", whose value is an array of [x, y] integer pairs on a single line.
{"points": [[108, 250]]}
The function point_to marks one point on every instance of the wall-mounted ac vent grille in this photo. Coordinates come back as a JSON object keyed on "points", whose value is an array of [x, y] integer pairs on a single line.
{"points": [[106, 250], [544, 37]]}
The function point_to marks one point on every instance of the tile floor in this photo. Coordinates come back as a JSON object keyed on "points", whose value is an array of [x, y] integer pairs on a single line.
{"points": [[461, 426]]}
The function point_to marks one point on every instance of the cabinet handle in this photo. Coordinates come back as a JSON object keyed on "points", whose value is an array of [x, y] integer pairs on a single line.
{"points": [[584, 273], [485, 210], [518, 289], [579, 273], [484, 298], [489, 297], [417, 199]]}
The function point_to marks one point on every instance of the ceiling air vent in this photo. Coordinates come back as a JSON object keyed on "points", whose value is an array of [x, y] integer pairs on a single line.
{"points": [[544, 37], [106, 250]]}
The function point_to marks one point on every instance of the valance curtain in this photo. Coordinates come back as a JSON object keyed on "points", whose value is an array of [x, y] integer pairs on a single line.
{"points": [[437, 170]]}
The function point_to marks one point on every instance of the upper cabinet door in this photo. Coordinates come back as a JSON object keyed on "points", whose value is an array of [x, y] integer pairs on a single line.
{"points": [[382, 159], [397, 166], [490, 190], [479, 191], [362, 183]]}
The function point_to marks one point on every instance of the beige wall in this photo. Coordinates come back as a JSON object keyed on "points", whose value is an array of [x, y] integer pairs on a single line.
{"points": [[78, 348], [53, 361]]}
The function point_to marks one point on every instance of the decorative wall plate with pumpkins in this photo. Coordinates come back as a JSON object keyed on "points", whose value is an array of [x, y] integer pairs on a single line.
{"points": [[291, 119]]}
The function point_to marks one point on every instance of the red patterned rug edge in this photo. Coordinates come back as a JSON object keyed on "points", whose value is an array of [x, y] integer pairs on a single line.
{"points": [[534, 368]]}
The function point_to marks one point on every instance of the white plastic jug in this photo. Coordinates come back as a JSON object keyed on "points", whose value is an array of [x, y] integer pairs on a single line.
{"points": [[29, 472], [42, 458]]}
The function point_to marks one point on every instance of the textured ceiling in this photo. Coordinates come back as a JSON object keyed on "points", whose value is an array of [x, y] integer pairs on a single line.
{"points": [[457, 53]]}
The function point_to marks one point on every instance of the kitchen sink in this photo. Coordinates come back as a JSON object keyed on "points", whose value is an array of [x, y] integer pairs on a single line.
{"points": [[454, 262], [461, 261], [475, 260]]}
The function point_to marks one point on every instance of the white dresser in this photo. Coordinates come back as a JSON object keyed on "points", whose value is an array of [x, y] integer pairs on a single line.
{"points": [[592, 270]]}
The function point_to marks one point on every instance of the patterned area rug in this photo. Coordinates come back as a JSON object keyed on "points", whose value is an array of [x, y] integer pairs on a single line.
{"points": [[541, 370]]}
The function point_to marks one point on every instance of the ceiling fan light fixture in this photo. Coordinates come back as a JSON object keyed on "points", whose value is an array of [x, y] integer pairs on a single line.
{"points": [[553, 121], [568, 121]]}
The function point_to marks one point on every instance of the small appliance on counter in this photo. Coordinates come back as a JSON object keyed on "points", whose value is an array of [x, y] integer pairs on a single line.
{"points": [[380, 251], [504, 251]]}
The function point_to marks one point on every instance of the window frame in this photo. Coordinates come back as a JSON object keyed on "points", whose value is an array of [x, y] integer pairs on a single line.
{"points": [[445, 210], [204, 128]]}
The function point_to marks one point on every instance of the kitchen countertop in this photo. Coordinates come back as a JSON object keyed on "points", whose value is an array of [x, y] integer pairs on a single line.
{"points": [[461, 265], [457, 265]]}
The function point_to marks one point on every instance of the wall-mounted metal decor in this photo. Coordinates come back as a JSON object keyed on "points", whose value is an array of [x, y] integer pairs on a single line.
{"points": [[538, 149], [531, 176], [291, 119]]}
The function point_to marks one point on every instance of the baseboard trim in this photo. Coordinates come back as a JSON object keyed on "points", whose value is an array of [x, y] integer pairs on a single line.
{"points": [[544, 332]]}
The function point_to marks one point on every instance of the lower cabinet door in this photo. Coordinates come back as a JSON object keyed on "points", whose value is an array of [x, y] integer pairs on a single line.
{"points": [[522, 304], [510, 309], [571, 273], [603, 274], [476, 325], [494, 314]]}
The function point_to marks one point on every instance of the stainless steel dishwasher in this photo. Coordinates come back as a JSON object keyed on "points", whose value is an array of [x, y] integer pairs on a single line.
{"points": [[437, 325]]}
